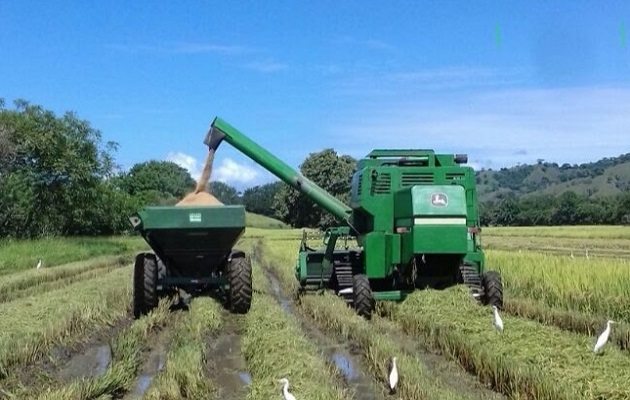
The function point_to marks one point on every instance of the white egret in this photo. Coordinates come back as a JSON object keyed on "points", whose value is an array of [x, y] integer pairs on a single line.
{"points": [[498, 322], [393, 376], [39, 264], [603, 338], [285, 389]]}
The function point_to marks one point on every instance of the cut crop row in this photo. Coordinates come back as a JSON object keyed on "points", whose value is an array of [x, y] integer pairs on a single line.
{"points": [[183, 374], [275, 347], [528, 360], [376, 339], [568, 320], [31, 326], [126, 361], [32, 282]]}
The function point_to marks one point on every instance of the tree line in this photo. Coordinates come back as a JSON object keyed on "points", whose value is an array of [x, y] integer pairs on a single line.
{"points": [[58, 177]]}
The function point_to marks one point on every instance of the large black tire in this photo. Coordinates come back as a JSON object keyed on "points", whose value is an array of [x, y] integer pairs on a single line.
{"points": [[362, 296], [239, 274], [145, 275], [492, 288]]}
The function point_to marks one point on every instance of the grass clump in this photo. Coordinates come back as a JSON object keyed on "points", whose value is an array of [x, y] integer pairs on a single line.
{"points": [[596, 287], [34, 281], [30, 326], [24, 254], [183, 373], [274, 347], [529, 360]]}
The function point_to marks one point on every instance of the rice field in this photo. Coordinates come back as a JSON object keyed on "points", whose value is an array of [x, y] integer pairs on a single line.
{"points": [[67, 331]]}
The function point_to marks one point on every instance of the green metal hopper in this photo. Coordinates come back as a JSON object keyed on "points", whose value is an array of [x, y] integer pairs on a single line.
{"points": [[192, 249]]}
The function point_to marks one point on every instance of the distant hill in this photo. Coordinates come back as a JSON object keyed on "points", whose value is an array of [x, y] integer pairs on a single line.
{"points": [[606, 177]]}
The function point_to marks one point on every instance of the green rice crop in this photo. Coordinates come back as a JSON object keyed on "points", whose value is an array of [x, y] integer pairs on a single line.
{"points": [[24, 254], [528, 359], [183, 374], [580, 231], [30, 326], [598, 287], [597, 248]]}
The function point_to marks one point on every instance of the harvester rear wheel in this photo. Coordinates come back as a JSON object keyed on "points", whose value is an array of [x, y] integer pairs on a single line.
{"points": [[239, 274], [145, 284], [492, 288], [362, 296]]}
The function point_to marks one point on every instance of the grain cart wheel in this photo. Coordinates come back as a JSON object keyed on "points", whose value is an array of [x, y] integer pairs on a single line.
{"points": [[239, 274], [362, 296], [145, 274], [492, 288]]}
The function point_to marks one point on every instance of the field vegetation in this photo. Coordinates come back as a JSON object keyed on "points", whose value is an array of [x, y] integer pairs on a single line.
{"points": [[445, 344]]}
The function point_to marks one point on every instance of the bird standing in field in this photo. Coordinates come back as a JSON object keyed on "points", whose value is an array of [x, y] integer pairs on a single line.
{"points": [[393, 376], [39, 264], [285, 389], [498, 322], [603, 338]]}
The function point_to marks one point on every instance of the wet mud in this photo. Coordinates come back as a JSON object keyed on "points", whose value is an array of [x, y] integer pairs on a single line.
{"points": [[154, 361], [338, 352], [225, 363], [63, 364]]}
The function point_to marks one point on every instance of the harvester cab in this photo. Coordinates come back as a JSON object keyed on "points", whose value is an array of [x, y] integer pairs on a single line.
{"points": [[414, 217]]}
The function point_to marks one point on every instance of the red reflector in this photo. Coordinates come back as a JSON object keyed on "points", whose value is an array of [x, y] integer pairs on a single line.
{"points": [[474, 230], [402, 229]]}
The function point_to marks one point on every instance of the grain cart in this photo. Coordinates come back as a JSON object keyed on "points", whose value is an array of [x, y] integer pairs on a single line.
{"points": [[413, 214], [192, 250]]}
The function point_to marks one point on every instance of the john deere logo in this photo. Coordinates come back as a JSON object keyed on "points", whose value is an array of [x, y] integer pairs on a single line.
{"points": [[439, 199]]}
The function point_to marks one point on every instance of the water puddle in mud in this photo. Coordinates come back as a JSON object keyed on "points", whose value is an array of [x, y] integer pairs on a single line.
{"points": [[91, 364], [245, 377], [225, 361], [338, 353], [154, 363]]}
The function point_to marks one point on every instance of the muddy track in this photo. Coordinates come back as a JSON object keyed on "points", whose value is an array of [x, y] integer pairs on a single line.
{"points": [[340, 354], [86, 359], [154, 359], [447, 372], [225, 364]]}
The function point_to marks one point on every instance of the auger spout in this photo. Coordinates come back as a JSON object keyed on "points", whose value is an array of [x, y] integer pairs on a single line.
{"points": [[221, 130]]}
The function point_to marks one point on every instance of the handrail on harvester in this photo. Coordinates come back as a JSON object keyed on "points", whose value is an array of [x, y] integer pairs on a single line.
{"points": [[220, 130]]}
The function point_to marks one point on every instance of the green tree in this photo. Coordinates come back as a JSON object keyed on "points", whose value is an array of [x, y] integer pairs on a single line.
{"points": [[330, 171], [156, 182], [225, 193], [53, 170], [260, 199]]}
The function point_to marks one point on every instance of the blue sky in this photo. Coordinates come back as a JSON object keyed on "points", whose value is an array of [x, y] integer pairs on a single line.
{"points": [[505, 82]]}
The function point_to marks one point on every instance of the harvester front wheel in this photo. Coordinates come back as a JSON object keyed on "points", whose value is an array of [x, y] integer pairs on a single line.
{"points": [[145, 276], [362, 296], [239, 274], [492, 288]]}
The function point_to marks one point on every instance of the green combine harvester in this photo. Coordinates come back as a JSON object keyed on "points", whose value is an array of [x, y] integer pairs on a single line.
{"points": [[192, 250], [414, 216]]}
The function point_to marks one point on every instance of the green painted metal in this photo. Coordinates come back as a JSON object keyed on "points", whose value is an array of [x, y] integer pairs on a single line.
{"points": [[409, 210], [194, 242], [390, 295], [221, 130]]}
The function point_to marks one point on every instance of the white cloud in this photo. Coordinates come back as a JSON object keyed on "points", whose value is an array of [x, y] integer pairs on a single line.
{"points": [[180, 48], [500, 127], [232, 172], [186, 161], [266, 66], [228, 171]]}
